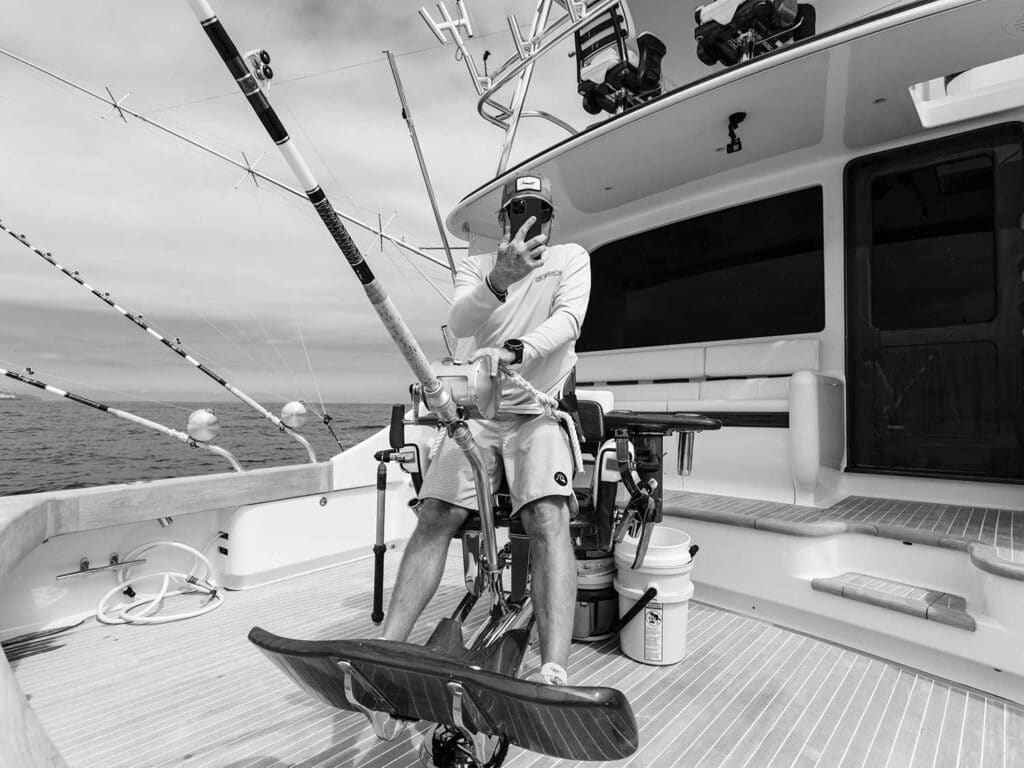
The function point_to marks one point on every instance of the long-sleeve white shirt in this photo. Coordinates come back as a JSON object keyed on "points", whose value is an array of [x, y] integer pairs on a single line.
{"points": [[545, 310]]}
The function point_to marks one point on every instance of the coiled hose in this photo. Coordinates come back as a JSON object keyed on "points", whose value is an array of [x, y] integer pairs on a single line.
{"points": [[143, 607]]}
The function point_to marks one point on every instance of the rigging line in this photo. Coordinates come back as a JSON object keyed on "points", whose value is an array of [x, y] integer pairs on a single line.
{"points": [[258, 359], [327, 417], [210, 150], [430, 282], [118, 393], [322, 72], [323, 162], [306, 399], [125, 415], [310, 364], [174, 346], [255, 361], [135, 398]]}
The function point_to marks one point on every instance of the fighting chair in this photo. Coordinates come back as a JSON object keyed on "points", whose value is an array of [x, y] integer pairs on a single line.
{"points": [[472, 692]]}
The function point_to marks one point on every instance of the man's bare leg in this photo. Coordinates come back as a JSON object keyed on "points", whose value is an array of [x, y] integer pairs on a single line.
{"points": [[553, 575], [422, 566]]}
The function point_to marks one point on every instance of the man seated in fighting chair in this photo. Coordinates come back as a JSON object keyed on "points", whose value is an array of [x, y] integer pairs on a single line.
{"points": [[523, 306]]}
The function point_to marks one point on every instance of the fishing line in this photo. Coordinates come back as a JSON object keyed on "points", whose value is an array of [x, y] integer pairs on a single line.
{"points": [[309, 362], [291, 370], [127, 395], [327, 418], [323, 72], [323, 162], [444, 297], [238, 348]]}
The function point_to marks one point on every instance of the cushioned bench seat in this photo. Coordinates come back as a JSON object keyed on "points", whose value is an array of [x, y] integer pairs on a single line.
{"points": [[785, 423], [993, 537]]}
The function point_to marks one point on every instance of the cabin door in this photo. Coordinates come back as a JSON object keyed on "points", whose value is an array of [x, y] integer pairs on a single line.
{"points": [[935, 308]]}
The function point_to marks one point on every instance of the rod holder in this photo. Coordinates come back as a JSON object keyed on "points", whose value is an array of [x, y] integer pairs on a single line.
{"points": [[114, 564], [684, 458]]}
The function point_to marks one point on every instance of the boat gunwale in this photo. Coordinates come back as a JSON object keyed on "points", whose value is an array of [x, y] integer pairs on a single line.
{"points": [[29, 520]]}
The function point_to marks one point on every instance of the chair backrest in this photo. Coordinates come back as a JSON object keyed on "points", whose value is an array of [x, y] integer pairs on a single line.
{"points": [[592, 422]]}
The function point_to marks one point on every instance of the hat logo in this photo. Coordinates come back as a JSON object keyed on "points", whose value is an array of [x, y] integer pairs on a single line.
{"points": [[527, 184]]}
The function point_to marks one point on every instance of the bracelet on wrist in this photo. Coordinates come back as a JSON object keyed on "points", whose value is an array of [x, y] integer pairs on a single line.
{"points": [[499, 295]]}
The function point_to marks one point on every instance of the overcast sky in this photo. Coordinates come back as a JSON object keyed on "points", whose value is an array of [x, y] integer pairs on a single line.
{"points": [[237, 274]]}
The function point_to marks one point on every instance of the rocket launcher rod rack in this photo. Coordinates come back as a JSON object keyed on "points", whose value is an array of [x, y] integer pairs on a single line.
{"points": [[175, 345]]}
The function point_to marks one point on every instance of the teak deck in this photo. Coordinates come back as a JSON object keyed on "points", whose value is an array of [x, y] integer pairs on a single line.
{"points": [[197, 694]]}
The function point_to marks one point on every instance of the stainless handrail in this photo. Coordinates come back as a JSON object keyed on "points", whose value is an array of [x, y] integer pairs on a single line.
{"points": [[501, 77]]}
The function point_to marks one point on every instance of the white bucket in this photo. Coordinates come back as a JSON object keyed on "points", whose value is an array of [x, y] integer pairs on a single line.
{"points": [[657, 635]]}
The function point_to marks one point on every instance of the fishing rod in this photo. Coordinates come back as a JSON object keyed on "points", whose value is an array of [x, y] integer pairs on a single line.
{"points": [[296, 419], [435, 395], [203, 424], [122, 110]]}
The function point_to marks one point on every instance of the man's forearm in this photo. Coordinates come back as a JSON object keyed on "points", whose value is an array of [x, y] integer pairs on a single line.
{"points": [[556, 331]]}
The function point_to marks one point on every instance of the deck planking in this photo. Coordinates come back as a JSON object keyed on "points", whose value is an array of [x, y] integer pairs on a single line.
{"points": [[999, 533], [749, 694]]}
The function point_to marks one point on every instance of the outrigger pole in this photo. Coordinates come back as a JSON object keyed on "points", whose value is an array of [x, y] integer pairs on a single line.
{"points": [[126, 415], [437, 398], [249, 168], [175, 346], [407, 116]]}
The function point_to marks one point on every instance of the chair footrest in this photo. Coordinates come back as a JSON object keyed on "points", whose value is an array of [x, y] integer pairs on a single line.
{"points": [[413, 682], [923, 602]]}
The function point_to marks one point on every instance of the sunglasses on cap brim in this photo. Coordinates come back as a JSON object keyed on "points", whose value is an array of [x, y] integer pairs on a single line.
{"points": [[519, 206]]}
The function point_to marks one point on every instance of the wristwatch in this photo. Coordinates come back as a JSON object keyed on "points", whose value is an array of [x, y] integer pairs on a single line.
{"points": [[515, 346]]}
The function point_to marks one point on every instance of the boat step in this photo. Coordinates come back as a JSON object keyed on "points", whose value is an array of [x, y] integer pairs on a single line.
{"points": [[926, 603]]}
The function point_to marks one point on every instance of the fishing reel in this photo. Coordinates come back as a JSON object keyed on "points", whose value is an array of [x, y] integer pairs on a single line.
{"points": [[258, 62], [731, 31], [474, 387]]}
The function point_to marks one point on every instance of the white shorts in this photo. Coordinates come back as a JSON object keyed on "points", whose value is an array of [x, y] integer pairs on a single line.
{"points": [[530, 451]]}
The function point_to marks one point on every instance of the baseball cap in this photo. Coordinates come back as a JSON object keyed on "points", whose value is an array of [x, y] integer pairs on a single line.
{"points": [[526, 185]]}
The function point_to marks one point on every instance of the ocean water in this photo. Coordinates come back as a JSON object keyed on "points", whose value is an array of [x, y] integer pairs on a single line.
{"points": [[50, 445]]}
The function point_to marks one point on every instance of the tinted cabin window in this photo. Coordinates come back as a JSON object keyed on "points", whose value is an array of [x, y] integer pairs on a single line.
{"points": [[753, 270], [933, 249]]}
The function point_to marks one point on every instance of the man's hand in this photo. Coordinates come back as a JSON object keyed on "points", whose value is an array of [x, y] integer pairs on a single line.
{"points": [[519, 257], [496, 355]]}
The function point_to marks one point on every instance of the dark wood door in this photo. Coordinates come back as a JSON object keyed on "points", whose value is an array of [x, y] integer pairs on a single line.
{"points": [[935, 308]]}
